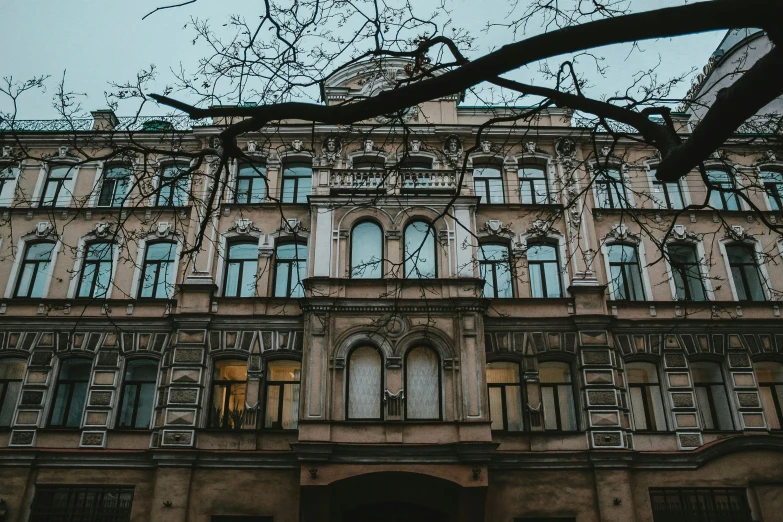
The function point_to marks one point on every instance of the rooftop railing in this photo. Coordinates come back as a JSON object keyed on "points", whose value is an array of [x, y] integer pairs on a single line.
{"points": [[119, 124]]}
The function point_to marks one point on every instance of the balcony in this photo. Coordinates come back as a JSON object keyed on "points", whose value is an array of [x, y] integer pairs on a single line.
{"points": [[413, 182]]}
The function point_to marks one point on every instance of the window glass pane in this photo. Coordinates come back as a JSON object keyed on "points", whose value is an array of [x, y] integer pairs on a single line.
{"points": [[161, 251], [77, 405], [536, 280], [39, 252], [722, 407], [230, 370], [251, 184], [364, 384], [422, 384], [502, 372], [127, 406], [550, 410], [496, 407], [567, 411], [271, 417], [9, 391], [366, 250], [705, 410], [12, 370], [554, 372], [420, 258], [638, 373], [706, 372], [768, 403], [533, 185], [637, 408], [290, 419], [513, 408], [765, 371]]}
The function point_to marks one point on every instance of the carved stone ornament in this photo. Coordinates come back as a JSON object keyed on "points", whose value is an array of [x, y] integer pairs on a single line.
{"points": [[7, 152], [452, 146], [292, 226], [681, 232], [332, 147], [163, 229], [605, 151], [63, 152], [737, 233], [101, 229], [539, 227], [43, 229], [243, 225], [620, 232], [368, 146], [768, 156], [495, 227], [297, 145], [486, 147], [530, 147], [415, 146], [252, 146], [566, 148]]}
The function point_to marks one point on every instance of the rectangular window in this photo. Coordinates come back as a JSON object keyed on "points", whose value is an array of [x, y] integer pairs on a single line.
{"points": [[773, 186], [229, 388], [11, 376], [282, 395], [533, 187], [34, 271], [7, 178], [667, 195], [297, 182], [114, 187], [173, 187], [721, 195], [96, 272], [251, 184], [711, 397], [625, 273], [745, 272], [58, 188], [488, 185], [700, 504], [686, 270], [610, 189], [505, 396], [82, 503]]}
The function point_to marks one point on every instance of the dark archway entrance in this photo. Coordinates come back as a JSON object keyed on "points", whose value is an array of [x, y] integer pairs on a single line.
{"points": [[392, 497]]}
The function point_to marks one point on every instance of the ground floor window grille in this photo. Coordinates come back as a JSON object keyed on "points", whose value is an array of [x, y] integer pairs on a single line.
{"points": [[82, 504], [700, 505]]}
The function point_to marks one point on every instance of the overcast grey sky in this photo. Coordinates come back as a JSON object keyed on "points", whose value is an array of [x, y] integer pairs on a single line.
{"points": [[97, 41]]}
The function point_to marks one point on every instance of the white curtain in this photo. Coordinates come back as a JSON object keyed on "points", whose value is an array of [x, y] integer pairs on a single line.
{"points": [[364, 384], [422, 384]]}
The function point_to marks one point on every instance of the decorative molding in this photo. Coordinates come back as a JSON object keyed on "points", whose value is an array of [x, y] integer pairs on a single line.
{"points": [[452, 146], [620, 232], [495, 227]]}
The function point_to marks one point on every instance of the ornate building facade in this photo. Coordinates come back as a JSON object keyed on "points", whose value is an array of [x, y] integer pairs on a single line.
{"points": [[365, 329]]}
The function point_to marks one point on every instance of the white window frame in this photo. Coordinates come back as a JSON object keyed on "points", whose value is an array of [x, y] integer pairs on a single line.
{"points": [[141, 253], [43, 176], [97, 185], [756, 245], [767, 166], [626, 180], [223, 242], [557, 239], [682, 182], [7, 196], [703, 270], [81, 250], [640, 253], [21, 249]]}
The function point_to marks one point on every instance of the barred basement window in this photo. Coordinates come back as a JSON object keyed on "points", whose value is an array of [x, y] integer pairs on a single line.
{"points": [[702, 504], [82, 503]]}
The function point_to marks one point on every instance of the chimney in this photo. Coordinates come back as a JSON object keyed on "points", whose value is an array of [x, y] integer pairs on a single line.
{"points": [[104, 120]]}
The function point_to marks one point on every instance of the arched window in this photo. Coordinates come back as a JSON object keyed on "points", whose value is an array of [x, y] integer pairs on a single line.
{"points": [[290, 269], [229, 385], [495, 270], [625, 272], [251, 183], [610, 188], [70, 393], [114, 188], [745, 272], [557, 396], [721, 197], [488, 184], [282, 395], [711, 395], [646, 399], [773, 186], [420, 260], [11, 376], [241, 269], [770, 378], [34, 270], [505, 396], [533, 185], [138, 394], [686, 270], [173, 186], [157, 279], [365, 384], [297, 182], [544, 267], [96, 270], [422, 384], [367, 251]]}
